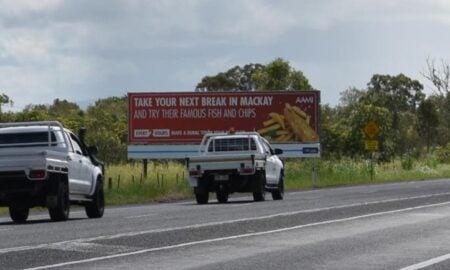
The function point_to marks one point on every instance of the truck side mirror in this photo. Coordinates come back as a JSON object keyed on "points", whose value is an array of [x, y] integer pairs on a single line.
{"points": [[93, 150], [278, 151], [81, 134]]}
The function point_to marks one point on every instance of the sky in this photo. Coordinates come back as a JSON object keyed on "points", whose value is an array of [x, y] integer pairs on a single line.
{"points": [[86, 50]]}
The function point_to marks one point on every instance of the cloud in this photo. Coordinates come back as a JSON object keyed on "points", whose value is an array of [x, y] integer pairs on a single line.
{"points": [[84, 49]]}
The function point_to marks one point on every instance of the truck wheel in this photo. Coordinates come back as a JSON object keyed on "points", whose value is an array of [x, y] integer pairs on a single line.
{"points": [[18, 213], [279, 193], [259, 193], [96, 208], [201, 195], [222, 196], [62, 209]]}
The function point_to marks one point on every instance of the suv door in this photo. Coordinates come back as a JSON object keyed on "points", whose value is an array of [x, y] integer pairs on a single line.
{"points": [[273, 164], [80, 178]]}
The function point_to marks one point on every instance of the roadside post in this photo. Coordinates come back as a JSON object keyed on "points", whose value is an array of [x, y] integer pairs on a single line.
{"points": [[371, 129]]}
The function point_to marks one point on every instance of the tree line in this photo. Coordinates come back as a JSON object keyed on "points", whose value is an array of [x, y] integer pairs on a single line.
{"points": [[410, 122]]}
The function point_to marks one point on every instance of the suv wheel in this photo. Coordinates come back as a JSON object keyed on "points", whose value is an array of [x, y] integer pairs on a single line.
{"points": [[18, 213], [279, 193], [62, 209], [222, 196], [259, 193], [201, 195], [96, 208]]}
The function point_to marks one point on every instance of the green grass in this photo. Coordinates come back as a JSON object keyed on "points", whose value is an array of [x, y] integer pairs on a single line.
{"points": [[165, 181], [299, 174]]}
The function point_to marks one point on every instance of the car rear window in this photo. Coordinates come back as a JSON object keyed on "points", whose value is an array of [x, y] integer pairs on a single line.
{"points": [[26, 139], [232, 144]]}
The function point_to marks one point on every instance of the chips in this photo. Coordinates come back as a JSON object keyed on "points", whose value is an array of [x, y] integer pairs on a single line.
{"points": [[292, 125]]}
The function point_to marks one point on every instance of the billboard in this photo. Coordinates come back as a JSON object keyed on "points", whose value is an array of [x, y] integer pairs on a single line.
{"points": [[174, 121]]}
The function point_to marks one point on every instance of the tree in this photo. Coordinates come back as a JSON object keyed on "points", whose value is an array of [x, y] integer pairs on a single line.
{"points": [[235, 79], [279, 75], [68, 113], [4, 99], [439, 76], [33, 113], [107, 128], [351, 97], [331, 132], [399, 94], [428, 121], [354, 136]]}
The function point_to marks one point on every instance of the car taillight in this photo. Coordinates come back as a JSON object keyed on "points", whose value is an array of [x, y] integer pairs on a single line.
{"points": [[195, 173], [247, 170], [37, 174]]}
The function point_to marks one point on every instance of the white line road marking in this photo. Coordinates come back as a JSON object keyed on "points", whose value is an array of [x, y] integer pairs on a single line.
{"points": [[94, 248], [427, 263], [196, 226], [100, 258], [143, 216]]}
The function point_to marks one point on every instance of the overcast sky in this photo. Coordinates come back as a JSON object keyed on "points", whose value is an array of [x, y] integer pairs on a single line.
{"points": [[85, 50]]}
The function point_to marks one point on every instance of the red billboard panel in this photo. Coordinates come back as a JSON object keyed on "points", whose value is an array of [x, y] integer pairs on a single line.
{"points": [[184, 117]]}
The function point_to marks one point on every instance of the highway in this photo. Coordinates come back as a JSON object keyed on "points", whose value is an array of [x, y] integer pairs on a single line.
{"points": [[388, 226]]}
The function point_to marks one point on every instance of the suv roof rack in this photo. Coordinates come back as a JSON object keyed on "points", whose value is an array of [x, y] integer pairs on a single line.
{"points": [[32, 123]]}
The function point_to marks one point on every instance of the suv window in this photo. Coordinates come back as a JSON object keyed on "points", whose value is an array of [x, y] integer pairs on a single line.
{"points": [[266, 147], [77, 148], [232, 144], [27, 139]]}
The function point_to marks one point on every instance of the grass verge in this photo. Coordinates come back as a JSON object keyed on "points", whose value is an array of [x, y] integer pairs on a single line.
{"points": [[166, 181]]}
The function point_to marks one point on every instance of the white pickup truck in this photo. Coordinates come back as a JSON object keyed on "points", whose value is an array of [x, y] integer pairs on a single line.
{"points": [[45, 164], [235, 162]]}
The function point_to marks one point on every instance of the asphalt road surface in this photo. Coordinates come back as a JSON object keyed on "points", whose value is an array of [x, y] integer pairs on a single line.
{"points": [[392, 226]]}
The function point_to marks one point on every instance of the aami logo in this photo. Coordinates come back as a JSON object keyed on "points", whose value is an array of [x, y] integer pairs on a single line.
{"points": [[303, 100]]}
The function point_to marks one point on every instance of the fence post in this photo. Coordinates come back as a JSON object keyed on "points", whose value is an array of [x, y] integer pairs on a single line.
{"points": [[314, 174], [145, 167], [109, 183]]}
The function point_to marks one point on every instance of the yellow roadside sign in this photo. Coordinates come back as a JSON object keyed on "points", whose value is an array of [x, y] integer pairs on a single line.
{"points": [[371, 145], [371, 129]]}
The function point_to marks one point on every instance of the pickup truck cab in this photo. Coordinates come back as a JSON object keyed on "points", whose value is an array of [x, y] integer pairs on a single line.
{"points": [[235, 162], [44, 164]]}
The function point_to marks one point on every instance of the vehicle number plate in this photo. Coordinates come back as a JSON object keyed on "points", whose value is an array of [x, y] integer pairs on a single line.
{"points": [[221, 177]]}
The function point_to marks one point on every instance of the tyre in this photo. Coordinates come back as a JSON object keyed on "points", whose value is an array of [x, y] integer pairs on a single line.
{"points": [[19, 213], [62, 209], [201, 195], [279, 193], [259, 193], [222, 196], [96, 208]]}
